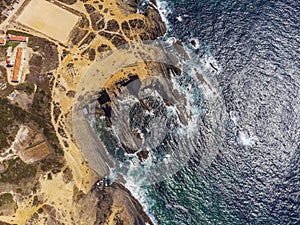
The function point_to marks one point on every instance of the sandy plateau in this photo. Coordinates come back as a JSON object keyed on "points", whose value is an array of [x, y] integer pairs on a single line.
{"points": [[69, 196], [48, 19]]}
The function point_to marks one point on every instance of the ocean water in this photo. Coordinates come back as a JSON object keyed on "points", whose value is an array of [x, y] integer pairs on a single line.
{"points": [[244, 167], [254, 177]]}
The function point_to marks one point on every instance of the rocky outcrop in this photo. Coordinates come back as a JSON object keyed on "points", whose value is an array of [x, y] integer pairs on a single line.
{"points": [[117, 204]]}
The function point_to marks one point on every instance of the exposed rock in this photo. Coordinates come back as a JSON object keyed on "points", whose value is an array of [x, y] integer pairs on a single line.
{"points": [[115, 200], [128, 7], [156, 27]]}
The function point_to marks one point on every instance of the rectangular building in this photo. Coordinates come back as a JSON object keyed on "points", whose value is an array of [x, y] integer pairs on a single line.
{"points": [[17, 38], [17, 67]]}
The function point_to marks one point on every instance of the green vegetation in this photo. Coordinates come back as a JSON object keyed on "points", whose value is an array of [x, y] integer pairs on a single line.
{"points": [[118, 221], [6, 198], [48, 51], [40, 210], [17, 171], [40, 113], [3, 73], [2, 18], [53, 164], [18, 33], [39, 117], [3, 79], [19, 190], [12, 44], [35, 201], [11, 117], [26, 87], [3, 223]]}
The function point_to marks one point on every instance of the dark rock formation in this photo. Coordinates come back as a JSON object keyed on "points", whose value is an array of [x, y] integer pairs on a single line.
{"points": [[117, 195]]}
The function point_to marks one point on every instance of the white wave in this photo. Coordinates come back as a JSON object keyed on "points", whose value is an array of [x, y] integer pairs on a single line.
{"points": [[196, 44], [164, 10], [234, 117], [245, 138], [140, 194], [181, 208], [179, 18], [171, 40]]}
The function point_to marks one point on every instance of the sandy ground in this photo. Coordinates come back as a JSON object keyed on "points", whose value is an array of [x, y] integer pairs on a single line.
{"points": [[16, 145], [108, 75], [48, 19]]}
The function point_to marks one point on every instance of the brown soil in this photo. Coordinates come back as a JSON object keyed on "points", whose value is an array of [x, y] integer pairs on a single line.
{"points": [[36, 153]]}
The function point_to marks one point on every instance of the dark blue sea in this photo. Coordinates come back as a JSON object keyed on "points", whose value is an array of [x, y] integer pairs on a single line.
{"points": [[254, 177]]}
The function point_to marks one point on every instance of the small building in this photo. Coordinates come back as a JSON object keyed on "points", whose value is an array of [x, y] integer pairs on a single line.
{"points": [[17, 66], [9, 52], [17, 38], [9, 63], [2, 41]]}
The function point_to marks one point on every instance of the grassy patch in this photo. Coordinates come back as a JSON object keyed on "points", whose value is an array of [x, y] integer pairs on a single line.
{"points": [[38, 118], [40, 113], [11, 117], [6, 198], [3, 73], [18, 33], [48, 51], [26, 87], [17, 171], [12, 44]]}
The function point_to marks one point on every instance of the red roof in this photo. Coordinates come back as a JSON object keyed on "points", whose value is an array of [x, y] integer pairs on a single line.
{"points": [[2, 40], [17, 66], [18, 38]]}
